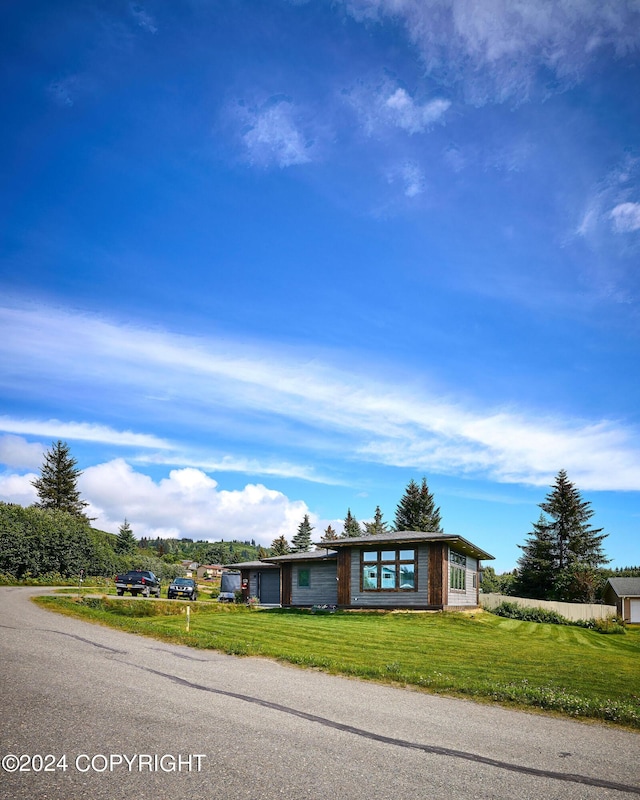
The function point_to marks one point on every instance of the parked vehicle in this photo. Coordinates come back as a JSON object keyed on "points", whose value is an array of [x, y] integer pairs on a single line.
{"points": [[230, 583], [183, 587], [138, 581]]}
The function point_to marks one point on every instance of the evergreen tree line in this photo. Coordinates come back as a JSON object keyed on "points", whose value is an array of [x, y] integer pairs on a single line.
{"points": [[416, 511], [563, 556]]}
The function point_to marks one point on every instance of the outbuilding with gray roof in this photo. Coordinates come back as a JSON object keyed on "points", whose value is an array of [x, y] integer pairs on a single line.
{"points": [[624, 593]]}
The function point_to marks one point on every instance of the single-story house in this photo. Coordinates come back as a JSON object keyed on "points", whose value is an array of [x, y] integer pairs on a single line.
{"points": [[624, 594], [404, 569]]}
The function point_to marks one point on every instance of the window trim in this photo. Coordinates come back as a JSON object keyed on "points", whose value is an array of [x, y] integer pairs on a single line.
{"points": [[396, 562], [457, 572]]}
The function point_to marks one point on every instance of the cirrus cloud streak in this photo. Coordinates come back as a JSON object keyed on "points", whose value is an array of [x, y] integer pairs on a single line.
{"points": [[278, 401]]}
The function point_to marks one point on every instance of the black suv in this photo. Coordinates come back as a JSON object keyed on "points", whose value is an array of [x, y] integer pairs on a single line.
{"points": [[183, 587]]}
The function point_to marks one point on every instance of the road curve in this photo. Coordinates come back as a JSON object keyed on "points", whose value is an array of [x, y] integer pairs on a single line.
{"points": [[126, 716]]}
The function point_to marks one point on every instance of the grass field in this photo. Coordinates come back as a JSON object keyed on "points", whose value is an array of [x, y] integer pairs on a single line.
{"points": [[564, 669]]}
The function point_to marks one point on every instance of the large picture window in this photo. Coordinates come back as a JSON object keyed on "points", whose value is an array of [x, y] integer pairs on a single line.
{"points": [[388, 570], [457, 572]]}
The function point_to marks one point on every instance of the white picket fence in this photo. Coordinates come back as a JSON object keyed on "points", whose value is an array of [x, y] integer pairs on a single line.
{"points": [[573, 611]]}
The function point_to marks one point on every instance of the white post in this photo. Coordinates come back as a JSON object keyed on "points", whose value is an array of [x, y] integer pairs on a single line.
{"points": [[188, 617]]}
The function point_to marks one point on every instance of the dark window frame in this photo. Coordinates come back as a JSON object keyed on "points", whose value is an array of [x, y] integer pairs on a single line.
{"points": [[396, 562], [307, 572], [457, 572]]}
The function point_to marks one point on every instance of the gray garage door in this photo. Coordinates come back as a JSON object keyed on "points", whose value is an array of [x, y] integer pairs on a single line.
{"points": [[269, 587]]}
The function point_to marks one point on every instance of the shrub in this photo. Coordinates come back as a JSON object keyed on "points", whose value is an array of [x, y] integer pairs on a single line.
{"points": [[514, 611], [609, 625]]}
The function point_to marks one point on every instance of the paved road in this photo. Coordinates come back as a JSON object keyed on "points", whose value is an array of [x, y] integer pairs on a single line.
{"points": [[265, 730]]}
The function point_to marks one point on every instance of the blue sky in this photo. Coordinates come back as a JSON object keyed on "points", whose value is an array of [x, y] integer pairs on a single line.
{"points": [[266, 259]]}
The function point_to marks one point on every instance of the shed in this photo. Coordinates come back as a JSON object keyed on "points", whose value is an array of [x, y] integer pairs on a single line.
{"points": [[624, 593]]}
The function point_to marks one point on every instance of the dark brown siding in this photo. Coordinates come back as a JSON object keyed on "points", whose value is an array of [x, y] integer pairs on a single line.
{"points": [[285, 588], [344, 576], [438, 577]]}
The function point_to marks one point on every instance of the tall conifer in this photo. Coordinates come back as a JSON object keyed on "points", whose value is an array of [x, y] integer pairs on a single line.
{"points": [[301, 542], [57, 484], [576, 540], [537, 566], [417, 510], [378, 526], [280, 546], [351, 526], [329, 535], [126, 541], [563, 553]]}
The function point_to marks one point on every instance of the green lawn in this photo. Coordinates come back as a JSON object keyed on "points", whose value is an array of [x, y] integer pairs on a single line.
{"points": [[561, 668]]}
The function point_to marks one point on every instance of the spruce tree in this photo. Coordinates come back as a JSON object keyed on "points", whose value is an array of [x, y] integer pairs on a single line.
{"points": [[329, 535], [126, 541], [562, 557], [57, 484], [376, 527], [576, 541], [537, 567], [351, 527], [280, 546], [417, 510], [301, 542]]}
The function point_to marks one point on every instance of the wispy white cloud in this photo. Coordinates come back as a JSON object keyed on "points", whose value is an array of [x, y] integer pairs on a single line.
{"points": [[190, 457], [513, 448], [81, 431], [143, 18], [609, 204], [607, 223], [384, 104], [65, 92], [326, 410], [410, 176], [402, 111], [274, 133], [497, 50], [626, 217]]}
